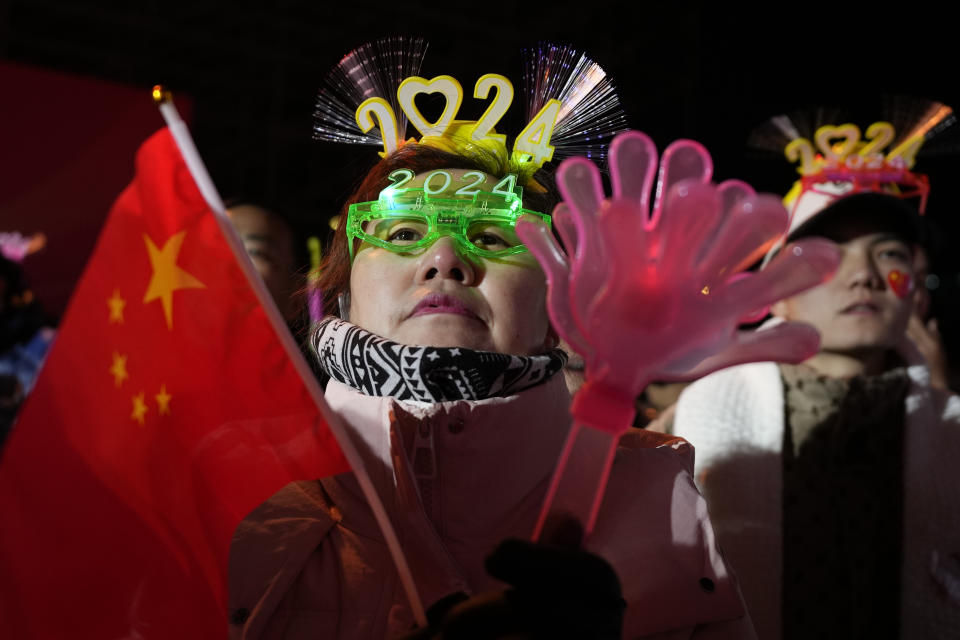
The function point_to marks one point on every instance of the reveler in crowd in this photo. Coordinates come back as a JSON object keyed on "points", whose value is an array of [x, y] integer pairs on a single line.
{"points": [[833, 484], [445, 365], [923, 330], [272, 245], [26, 331]]}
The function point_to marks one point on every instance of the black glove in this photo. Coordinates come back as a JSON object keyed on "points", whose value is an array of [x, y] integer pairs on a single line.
{"points": [[557, 591]]}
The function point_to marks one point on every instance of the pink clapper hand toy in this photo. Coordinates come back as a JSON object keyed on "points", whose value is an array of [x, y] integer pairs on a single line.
{"points": [[659, 296]]}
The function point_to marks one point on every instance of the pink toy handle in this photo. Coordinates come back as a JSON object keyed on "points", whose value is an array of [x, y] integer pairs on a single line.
{"points": [[579, 479], [601, 416]]}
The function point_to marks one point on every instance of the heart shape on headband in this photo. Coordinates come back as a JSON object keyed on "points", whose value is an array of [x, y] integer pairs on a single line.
{"points": [[415, 85], [828, 135]]}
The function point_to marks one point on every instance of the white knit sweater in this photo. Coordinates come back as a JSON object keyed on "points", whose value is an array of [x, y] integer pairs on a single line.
{"points": [[735, 420]]}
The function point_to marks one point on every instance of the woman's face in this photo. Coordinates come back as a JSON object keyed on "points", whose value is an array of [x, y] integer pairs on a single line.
{"points": [[445, 297]]}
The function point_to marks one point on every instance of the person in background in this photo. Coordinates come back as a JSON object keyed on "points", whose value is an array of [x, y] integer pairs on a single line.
{"points": [[833, 484], [26, 331], [273, 246], [923, 330]]}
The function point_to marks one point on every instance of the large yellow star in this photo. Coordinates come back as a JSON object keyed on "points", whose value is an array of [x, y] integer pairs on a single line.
{"points": [[139, 408], [119, 369], [167, 276], [116, 304], [163, 401]]}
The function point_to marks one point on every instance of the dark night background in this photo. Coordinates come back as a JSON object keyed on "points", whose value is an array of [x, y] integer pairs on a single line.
{"points": [[703, 71]]}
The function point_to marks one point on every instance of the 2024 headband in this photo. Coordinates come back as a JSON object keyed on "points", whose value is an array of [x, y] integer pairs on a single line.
{"points": [[370, 96]]}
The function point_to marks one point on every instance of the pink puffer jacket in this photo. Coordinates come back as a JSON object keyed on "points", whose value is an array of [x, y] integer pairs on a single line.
{"points": [[457, 478]]}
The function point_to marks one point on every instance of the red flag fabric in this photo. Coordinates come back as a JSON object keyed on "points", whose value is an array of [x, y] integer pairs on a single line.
{"points": [[166, 411]]}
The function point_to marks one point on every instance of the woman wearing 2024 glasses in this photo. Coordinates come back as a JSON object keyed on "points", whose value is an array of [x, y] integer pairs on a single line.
{"points": [[444, 365], [447, 372]]}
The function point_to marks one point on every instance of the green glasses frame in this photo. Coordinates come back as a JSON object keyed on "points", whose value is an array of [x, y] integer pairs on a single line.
{"points": [[439, 216]]}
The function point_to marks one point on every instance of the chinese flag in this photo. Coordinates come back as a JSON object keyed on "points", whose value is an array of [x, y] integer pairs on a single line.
{"points": [[167, 410]]}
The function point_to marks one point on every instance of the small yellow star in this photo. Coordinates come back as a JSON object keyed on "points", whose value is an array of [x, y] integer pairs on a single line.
{"points": [[119, 369], [116, 304], [167, 276], [139, 408], [163, 401]]}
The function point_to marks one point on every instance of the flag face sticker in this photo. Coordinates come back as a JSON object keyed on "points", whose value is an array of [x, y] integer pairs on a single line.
{"points": [[901, 283], [167, 410]]}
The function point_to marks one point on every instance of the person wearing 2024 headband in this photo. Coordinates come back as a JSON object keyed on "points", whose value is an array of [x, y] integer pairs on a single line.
{"points": [[833, 483], [463, 436], [448, 375]]}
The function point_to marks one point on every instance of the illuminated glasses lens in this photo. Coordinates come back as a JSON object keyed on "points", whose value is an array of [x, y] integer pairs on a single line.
{"points": [[492, 235], [405, 233]]}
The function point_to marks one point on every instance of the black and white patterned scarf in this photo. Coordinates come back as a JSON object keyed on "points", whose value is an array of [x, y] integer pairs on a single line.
{"points": [[378, 367]]}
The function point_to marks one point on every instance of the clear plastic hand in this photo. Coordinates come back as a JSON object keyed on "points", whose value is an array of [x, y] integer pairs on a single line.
{"points": [[659, 293]]}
